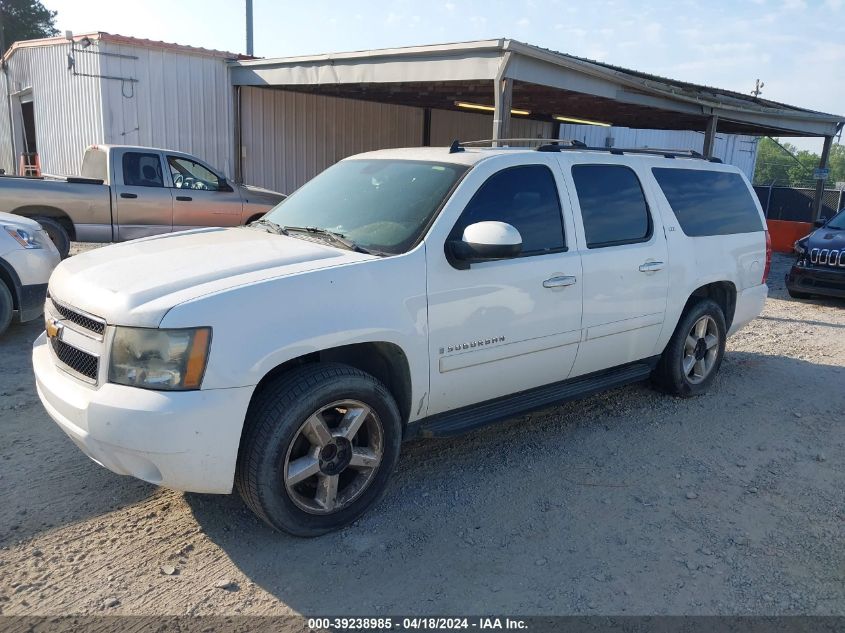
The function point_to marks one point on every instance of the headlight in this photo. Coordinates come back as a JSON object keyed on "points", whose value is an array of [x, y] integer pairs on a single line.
{"points": [[168, 360], [799, 247], [23, 237]]}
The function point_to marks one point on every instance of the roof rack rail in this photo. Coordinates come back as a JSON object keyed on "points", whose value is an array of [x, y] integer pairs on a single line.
{"points": [[619, 151], [564, 144], [458, 145]]}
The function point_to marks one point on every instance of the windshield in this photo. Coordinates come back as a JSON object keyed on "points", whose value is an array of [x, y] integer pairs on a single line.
{"points": [[838, 221], [380, 205]]}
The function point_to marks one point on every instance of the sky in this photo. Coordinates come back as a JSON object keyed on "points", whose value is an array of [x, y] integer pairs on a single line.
{"points": [[796, 47]]}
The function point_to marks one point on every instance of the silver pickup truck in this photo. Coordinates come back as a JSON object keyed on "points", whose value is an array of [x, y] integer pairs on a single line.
{"points": [[128, 192]]}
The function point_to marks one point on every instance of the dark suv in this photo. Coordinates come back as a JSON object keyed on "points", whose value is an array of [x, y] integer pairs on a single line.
{"points": [[820, 269]]}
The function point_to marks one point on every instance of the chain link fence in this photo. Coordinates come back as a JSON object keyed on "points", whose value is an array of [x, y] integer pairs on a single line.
{"points": [[796, 203]]}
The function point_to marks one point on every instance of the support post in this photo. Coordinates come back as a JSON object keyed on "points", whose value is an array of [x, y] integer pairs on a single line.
{"points": [[710, 136], [426, 130], [502, 100], [819, 197], [555, 129], [236, 99], [249, 49]]}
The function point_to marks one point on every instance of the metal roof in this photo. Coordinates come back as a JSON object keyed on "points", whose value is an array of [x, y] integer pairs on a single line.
{"points": [[123, 39], [546, 83]]}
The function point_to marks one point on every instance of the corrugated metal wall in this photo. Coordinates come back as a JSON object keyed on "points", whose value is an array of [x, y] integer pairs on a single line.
{"points": [[448, 125], [737, 150], [7, 161], [67, 107], [181, 101], [289, 137]]}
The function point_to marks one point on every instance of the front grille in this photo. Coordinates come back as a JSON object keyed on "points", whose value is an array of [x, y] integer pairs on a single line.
{"points": [[89, 323], [81, 362], [827, 258]]}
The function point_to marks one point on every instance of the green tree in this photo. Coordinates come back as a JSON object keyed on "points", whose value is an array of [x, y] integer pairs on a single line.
{"points": [[25, 20], [783, 164]]}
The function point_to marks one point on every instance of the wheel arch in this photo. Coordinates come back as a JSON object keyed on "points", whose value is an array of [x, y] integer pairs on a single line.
{"points": [[722, 292], [9, 277], [33, 211], [384, 360]]}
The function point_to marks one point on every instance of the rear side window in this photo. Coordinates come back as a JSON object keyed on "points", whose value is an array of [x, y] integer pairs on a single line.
{"points": [[709, 202], [525, 197], [613, 206], [142, 170]]}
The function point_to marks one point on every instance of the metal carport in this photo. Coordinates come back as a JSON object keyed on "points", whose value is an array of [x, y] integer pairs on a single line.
{"points": [[545, 85]]}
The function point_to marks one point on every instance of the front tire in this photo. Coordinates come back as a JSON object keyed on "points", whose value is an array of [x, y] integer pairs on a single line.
{"points": [[318, 449], [6, 307], [57, 233], [694, 354]]}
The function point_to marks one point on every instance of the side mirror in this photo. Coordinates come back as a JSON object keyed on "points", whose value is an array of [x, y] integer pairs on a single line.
{"points": [[820, 223], [484, 242]]}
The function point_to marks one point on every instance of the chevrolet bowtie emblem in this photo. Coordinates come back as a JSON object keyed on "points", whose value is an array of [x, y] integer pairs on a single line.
{"points": [[54, 328]]}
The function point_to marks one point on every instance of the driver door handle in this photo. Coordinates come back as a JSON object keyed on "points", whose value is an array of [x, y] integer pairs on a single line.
{"points": [[559, 281], [651, 267], [184, 198]]}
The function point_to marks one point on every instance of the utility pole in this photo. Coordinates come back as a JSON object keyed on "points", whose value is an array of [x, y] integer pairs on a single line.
{"points": [[249, 49]]}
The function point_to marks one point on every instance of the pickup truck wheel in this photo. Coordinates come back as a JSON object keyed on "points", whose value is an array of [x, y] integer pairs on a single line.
{"points": [[57, 233], [6, 307], [320, 444], [691, 359]]}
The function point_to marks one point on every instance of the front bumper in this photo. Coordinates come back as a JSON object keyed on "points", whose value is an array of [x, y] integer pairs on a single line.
{"points": [[31, 299], [184, 440], [817, 280]]}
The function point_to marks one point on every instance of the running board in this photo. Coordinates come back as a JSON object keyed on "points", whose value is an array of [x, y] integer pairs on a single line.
{"points": [[478, 415]]}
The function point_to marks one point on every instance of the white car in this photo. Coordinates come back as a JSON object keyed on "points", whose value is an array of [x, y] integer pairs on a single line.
{"points": [[27, 257], [401, 293]]}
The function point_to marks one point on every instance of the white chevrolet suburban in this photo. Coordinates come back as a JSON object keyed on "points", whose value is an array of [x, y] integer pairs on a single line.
{"points": [[401, 293]]}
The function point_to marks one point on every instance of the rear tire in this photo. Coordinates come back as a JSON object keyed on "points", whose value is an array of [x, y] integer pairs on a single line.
{"points": [[57, 233], [798, 295], [693, 355], [318, 448], [7, 307]]}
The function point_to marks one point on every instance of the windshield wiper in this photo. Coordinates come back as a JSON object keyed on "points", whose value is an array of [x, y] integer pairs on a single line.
{"points": [[333, 236], [270, 225]]}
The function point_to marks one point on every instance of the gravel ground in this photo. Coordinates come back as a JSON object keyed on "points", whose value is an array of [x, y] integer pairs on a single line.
{"points": [[625, 503]]}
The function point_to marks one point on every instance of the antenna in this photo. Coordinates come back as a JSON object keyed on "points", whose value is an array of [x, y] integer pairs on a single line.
{"points": [[758, 89]]}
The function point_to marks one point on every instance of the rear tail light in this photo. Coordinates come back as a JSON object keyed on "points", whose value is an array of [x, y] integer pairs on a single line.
{"points": [[768, 258]]}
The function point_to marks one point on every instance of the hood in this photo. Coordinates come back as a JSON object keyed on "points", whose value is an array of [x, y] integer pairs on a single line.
{"points": [[10, 219], [825, 238], [258, 194], [137, 282]]}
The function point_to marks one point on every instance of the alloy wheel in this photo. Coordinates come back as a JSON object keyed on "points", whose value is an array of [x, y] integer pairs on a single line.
{"points": [[701, 349], [333, 457]]}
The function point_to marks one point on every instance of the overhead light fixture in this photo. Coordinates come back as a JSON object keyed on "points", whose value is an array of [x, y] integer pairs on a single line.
{"points": [[487, 108], [569, 119]]}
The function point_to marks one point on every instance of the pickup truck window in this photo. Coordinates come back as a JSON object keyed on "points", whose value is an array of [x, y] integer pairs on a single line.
{"points": [[525, 197], [709, 202], [613, 206], [189, 174], [381, 205], [142, 170]]}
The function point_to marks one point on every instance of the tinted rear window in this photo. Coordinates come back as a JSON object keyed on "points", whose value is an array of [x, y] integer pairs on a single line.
{"points": [[613, 206], [709, 202]]}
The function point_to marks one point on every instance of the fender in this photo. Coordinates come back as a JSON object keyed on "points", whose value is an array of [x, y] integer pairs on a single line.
{"points": [[11, 279], [260, 326]]}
